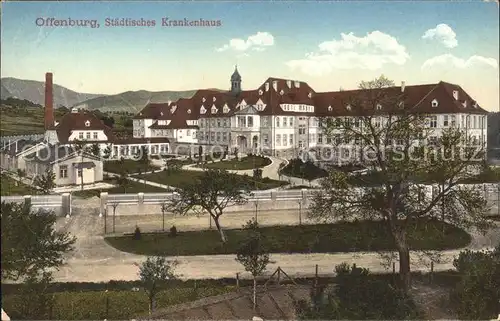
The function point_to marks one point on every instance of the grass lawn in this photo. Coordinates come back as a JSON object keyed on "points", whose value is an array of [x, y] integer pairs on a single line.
{"points": [[122, 305], [11, 187], [248, 162], [129, 165], [177, 178], [131, 188], [321, 238]]}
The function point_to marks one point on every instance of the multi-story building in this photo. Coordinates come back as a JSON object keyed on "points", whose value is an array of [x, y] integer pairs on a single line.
{"points": [[284, 117]]}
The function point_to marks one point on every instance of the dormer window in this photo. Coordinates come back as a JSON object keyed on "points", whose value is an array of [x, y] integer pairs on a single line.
{"points": [[434, 103], [401, 104], [464, 103], [475, 104], [260, 92], [281, 92], [348, 107], [225, 110], [455, 94], [329, 108], [309, 95], [189, 111], [379, 107], [87, 123], [202, 110], [214, 99], [214, 109], [172, 109], [203, 99]]}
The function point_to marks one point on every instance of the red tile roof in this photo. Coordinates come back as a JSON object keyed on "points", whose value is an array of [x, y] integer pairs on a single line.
{"points": [[78, 121], [276, 91]]}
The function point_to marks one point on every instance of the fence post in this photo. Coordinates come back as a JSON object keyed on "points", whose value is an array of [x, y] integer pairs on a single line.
{"points": [[279, 274], [104, 202], [432, 271], [316, 276], [237, 280]]}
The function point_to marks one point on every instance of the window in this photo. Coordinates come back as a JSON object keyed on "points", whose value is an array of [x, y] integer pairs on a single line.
{"points": [[250, 121], [278, 140], [213, 123], [218, 122], [80, 135], [225, 122], [284, 122], [88, 135], [379, 107], [377, 122], [87, 123], [224, 137], [320, 138], [434, 103], [291, 139], [301, 144], [266, 139], [218, 136], [291, 121], [264, 121], [212, 136], [433, 122], [79, 174], [453, 121], [95, 135], [277, 122], [284, 139], [302, 130], [475, 122], [445, 121], [63, 171]]}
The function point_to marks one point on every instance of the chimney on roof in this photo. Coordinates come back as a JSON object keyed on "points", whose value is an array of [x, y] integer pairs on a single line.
{"points": [[275, 85], [49, 101], [297, 84], [169, 102], [289, 83], [403, 84], [267, 86], [16, 146]]}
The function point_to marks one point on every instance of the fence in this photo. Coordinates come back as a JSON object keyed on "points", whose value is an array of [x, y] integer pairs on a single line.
{"points": [[59, 204], [10, 139]]}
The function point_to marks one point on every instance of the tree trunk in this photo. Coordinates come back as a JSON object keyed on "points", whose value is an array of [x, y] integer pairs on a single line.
{"points": [[254, 292], [81, 177], [404, 262], [151, 305], [219, 228]]}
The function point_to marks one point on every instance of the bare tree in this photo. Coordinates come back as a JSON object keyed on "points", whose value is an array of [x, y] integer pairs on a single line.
{"points": [[396, 143], [154, 272], [211, 193], [81, 148], [253, 256]]}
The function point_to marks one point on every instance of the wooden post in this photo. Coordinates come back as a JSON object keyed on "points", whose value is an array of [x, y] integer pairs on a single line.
{"points": [[279, 274], [237, 280], [393, 267], [316, 276], [432, 271]]}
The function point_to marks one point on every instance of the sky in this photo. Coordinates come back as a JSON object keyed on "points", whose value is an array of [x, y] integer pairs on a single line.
{"points": [[329, 45]]}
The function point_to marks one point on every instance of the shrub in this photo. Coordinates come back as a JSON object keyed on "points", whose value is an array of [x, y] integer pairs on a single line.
{"points": [[266, 180], [257, 173], [137, 233], [173, 231]]}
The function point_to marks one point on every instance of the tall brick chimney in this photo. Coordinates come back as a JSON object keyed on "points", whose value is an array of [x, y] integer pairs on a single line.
{"points": [[49, 102]]}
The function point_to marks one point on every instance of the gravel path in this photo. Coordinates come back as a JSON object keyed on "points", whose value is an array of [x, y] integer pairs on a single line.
{"points": [[95, 261]]}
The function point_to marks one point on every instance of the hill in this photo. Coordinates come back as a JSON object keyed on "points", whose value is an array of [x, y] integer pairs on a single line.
{"points": [[34, 91], [132, 101]]}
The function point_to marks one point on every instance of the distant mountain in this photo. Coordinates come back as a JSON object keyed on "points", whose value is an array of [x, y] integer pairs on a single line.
{"points": [[34, 91], [132, 101]]}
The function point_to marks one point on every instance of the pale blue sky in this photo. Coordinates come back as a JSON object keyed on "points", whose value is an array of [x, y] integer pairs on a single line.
{"points": [[387, 37]]}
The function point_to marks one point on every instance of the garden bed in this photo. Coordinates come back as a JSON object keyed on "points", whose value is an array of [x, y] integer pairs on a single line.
{"points": [[321, 238], [245, 163]]}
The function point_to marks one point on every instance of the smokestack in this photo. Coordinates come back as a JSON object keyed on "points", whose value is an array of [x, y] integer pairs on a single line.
{"points": [[403, 85], [49, 102]]}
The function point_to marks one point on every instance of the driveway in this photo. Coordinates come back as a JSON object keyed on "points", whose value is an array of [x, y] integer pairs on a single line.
{"points": [[95, 261]]}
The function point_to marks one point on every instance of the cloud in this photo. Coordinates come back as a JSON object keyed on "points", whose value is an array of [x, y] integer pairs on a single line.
{"points": [[444, 34], [257, 42], [372, 52], [452, 61]]}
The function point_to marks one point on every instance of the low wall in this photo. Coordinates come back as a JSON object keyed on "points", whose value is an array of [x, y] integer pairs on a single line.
{"points": [[150, 203], [59, 204], [138, 204]]}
